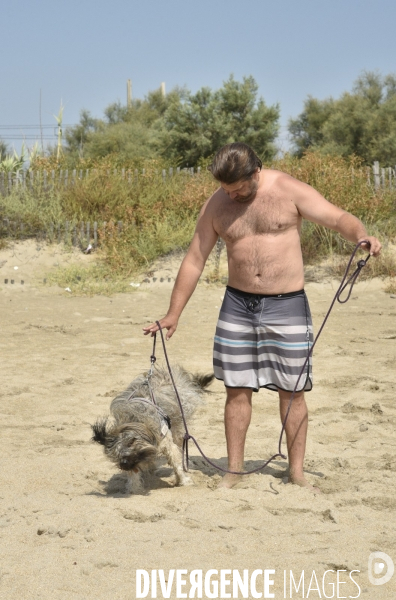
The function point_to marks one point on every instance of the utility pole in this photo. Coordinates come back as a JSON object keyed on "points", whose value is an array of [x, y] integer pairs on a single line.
{"points": [[129, 93], [163, 92]]}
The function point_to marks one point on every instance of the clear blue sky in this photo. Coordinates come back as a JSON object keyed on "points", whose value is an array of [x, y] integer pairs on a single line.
{"points": [[82, 52]]}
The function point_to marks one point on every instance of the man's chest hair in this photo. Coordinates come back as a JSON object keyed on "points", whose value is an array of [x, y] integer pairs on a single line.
{"points": [[267, 214]]}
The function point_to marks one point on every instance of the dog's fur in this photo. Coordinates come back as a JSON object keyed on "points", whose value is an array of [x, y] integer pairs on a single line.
{"points": [[137, 434]]}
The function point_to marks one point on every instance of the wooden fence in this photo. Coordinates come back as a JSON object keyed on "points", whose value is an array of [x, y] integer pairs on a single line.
{"points": [[66, 177], [83, 235], [384, 177], [377, 177]]}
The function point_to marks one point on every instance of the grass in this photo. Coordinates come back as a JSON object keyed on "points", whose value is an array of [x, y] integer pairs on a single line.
{"points": [[383, 266], [159, 216], [390, 287], [89, 281]]}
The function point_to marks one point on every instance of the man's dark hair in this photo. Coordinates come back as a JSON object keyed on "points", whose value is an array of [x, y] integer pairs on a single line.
{"points": [[234, 162]]}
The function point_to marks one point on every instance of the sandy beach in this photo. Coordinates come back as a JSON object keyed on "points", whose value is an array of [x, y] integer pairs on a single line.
{"points": [[69, 531]]}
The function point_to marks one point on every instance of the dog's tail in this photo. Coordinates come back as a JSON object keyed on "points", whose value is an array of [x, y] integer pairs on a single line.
{"points": [[100, 434], [202, 381]]}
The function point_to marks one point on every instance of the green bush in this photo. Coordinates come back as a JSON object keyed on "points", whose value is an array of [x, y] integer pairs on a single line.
{"points": [[159, 216]]}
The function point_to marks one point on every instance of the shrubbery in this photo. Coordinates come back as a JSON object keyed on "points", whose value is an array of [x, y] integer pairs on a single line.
{"points": [[159, 216]]}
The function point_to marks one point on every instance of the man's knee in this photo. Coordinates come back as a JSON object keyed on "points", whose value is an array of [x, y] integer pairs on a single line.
{"points": [[298, 399], [238, 396]]}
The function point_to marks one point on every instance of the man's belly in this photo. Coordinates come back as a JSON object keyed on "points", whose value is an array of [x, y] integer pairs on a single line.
{"points": [[266, 266]]}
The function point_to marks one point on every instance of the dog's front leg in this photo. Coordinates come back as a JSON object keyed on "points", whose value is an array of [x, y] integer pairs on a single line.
{"points": [[172, 453], [134, 484]]}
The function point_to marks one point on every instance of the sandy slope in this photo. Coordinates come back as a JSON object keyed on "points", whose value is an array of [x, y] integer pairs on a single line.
{"points": [[67, 529]]}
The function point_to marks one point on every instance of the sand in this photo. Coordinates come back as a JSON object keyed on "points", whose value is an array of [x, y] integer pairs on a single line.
{"points": [[67, 529]]}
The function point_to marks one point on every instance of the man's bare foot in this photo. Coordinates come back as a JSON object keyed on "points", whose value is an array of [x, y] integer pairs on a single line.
{"points": [[229, 481], [302, 482]]}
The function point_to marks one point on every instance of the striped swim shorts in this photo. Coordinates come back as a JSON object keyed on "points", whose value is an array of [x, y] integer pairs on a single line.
{"points": [[263, 341]]}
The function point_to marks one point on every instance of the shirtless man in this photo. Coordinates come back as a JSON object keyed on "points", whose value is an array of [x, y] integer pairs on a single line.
{"points": [[264, 330]]}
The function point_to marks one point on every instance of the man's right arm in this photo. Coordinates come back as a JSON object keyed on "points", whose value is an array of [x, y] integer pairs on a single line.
{"points": [[190, 271]]}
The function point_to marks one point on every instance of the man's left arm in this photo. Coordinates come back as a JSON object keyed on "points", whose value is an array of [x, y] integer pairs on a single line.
{"points": [[314, 207]]}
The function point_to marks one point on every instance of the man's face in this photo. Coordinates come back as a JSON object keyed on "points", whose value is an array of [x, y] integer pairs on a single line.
{"points": [[242, 191]]}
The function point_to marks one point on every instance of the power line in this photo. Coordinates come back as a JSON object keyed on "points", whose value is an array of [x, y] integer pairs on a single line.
{"points": [[28, 137], [32, 126], [75, 125]]}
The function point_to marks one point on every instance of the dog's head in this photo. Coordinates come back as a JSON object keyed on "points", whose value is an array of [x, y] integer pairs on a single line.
{"points": [[132, 447]]}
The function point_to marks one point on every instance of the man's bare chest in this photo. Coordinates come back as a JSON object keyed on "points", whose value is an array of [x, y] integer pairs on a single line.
{"points": [[233, 223]]}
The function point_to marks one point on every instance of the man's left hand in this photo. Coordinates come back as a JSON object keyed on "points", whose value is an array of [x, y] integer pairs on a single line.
{"points": [[374, 245]]}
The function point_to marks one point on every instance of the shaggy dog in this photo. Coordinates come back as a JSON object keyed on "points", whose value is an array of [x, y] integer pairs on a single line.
{"points": [[140, 431]]}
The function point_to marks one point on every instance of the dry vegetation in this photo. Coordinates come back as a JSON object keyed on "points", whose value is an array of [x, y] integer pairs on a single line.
{"points": [[159, 216]]}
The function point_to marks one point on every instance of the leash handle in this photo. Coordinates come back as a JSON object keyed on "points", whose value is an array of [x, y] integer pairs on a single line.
{"points": [[152, 357]]}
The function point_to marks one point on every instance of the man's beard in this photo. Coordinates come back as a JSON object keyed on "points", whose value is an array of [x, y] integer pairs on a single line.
{"points": [[250, 196]]}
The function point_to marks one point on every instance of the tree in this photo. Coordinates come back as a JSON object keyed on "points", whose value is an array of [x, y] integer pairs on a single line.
{"points": [[362, 122], [181, 127], [196, 126], [77, 137], [125, 130]]}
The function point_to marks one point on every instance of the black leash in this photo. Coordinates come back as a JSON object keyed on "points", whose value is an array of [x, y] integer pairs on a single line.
{"points": [[187, 436]]}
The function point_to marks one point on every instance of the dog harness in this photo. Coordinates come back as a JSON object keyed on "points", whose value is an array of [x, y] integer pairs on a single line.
{"points": [[164, 419]]}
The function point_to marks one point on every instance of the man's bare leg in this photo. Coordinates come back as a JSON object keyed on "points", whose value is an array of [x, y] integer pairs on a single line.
{"points": [[237, 414], [296, 435]]}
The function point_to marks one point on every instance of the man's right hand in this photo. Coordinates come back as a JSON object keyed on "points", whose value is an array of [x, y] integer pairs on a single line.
{"points": [[168, 322]]}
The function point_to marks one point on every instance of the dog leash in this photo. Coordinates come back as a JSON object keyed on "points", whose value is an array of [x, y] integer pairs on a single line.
{"points": [[152, 402], [337, 297]]}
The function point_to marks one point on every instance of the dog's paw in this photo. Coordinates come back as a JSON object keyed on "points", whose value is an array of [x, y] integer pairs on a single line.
{"points": [[185, 480], [178, 480]]}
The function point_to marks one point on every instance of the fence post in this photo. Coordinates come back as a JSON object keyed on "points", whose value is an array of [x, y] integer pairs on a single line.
{"points": [[376, 171], [95, 234]]}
